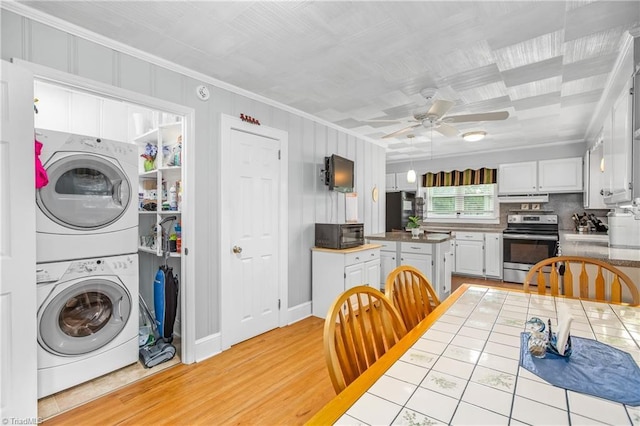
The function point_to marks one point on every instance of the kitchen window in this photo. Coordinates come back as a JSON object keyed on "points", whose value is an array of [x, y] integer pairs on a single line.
{"points": [[464, 203]]}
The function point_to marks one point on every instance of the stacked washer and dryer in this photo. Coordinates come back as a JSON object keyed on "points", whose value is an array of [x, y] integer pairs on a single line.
{"points": [[87, 262]]}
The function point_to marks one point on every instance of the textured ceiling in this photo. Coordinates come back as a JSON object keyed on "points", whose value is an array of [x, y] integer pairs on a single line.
{"points": [[352, 63]]}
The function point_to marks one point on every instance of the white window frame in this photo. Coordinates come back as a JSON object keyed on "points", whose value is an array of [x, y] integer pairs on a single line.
{"points": [[493, 215]]}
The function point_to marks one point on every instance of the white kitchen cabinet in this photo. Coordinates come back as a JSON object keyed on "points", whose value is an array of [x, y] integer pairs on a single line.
{"points": [[398, 182], [433, 259], [390, 182], [388, 260], [334, 271], [618, 150], [470, 253], [423, 262], [518, 178], [593, 179], [545, 176], [560, 175], [493, 255]]}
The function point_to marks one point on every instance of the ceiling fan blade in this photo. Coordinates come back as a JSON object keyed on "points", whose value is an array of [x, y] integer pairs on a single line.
{"points": [[440, 107], [401, 131], [446, 130], [486, 116]]}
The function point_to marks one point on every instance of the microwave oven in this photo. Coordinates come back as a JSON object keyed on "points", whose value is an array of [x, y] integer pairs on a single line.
{"points": [[339, 235]]}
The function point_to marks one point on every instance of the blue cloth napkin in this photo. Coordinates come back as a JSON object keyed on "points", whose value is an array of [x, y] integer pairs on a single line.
{"points": [[593, 368]]}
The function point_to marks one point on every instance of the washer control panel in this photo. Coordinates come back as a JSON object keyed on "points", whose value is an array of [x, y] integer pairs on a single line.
{"points": [[47, 273]]}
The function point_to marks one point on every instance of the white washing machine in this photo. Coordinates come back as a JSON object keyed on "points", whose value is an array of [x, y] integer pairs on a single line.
{"points": [[90, 206], [87, 320]]}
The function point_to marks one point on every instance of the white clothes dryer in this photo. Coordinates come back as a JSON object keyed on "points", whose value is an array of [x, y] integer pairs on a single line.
{"points": [[89, 207], [87, 320]]}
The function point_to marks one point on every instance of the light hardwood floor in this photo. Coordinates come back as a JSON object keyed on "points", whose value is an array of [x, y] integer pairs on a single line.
{"points": [[279, 377], [276, 378]]}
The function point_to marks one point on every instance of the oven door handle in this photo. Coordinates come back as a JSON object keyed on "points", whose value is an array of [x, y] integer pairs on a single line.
{"points": [[529, 237]]}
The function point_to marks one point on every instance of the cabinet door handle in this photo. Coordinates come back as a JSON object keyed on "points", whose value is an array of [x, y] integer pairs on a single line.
{"points": [[357, 258], [373, 254]]}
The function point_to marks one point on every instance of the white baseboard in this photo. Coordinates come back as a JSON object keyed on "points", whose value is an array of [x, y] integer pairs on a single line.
{"points": [[207, 347], [299, 312]]}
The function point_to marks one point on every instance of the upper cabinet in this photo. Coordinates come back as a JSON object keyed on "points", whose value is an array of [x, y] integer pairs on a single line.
{"points": [[398, 182], [618, 149], [562, 175], [547, 176], [593, 179], [518, 178]]}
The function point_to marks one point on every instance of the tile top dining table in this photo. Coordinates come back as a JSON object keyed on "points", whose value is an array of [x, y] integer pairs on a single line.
{"points": [[461, 366]]}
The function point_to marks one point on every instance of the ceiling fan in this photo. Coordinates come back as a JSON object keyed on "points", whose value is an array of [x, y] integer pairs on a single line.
{"points": [[436, 119]]}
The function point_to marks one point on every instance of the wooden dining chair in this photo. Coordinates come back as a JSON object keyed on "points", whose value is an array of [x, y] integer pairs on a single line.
{"points": [[411, 293], [596, 284], [360, 327]]}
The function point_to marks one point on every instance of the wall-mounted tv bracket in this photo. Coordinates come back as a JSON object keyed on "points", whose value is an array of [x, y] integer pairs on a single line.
{"points": [[324, 173]]}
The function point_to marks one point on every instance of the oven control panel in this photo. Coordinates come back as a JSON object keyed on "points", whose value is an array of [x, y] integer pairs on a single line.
{"points": [[533, 218]]}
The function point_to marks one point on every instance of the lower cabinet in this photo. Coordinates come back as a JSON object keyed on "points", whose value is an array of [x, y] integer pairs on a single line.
{"points": [[334, 271], [418, 256], [433, 259], [479, 254], [470, 253], [388, 260], [493, 255]]}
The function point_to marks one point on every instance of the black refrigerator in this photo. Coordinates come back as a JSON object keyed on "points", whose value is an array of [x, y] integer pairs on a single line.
{"points": [[400, 205]]}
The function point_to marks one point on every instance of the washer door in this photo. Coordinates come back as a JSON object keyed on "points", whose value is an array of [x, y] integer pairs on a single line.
{"points": [[85, 192], [84, 317]]}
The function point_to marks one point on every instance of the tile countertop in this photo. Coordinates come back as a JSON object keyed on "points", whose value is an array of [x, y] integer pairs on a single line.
{"points": [[461, 366], [428, 237], [594, 245]]}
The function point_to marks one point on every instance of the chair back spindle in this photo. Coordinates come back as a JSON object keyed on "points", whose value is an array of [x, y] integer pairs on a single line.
{"points": [[606, 279], [411, 293], [360, 327]]}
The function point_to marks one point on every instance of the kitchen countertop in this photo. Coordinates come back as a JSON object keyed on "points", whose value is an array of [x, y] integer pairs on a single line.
{"points": [[347, 250], [461, 228], [428, 237], [597, 247]]}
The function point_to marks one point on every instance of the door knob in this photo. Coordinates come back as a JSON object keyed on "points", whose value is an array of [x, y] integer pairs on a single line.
{"points": [[237, 250]]}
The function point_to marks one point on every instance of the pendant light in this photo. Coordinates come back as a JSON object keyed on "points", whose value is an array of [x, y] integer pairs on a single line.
{"points": [[411, 174]]}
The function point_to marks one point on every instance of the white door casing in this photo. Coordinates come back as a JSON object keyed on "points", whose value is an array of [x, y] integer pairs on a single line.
{"points": [[253, 219], [189, 237], [18, 335]]}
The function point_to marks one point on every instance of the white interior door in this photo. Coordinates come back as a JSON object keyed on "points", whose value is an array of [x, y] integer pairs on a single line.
{"points": [[18, 350], [251, 290]]}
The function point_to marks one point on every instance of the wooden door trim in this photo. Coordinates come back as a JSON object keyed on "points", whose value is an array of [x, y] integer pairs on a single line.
{"points": [[227, 125]]}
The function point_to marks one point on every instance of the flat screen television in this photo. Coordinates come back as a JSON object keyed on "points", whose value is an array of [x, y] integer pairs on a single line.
{"points": [[339, 173]]}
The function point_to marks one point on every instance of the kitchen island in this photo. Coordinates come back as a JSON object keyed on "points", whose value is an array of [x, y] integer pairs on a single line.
{"points": [[596, 245], [430, 252]]}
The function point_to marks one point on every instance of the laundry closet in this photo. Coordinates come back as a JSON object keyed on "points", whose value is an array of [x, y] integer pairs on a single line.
{"points": [[108, 219]]}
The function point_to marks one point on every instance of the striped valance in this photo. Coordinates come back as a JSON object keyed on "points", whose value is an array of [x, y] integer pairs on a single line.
{"points": [[459, 178]]}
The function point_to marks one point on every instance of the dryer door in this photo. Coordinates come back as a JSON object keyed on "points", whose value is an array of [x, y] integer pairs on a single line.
{"points": [[84, 317], [85, 191]]}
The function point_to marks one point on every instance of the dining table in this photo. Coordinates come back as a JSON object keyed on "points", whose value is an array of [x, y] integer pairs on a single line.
{"points": [[462, 365]]}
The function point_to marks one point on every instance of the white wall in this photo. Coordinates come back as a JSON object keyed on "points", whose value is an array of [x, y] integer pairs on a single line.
{"points": [[309, 142]]}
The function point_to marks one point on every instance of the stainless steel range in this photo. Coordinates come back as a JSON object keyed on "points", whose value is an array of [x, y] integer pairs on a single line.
{"points": [[528, 239]]}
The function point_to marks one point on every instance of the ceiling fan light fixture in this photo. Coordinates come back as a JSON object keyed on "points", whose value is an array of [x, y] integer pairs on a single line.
{"points": [[474, 136]]}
